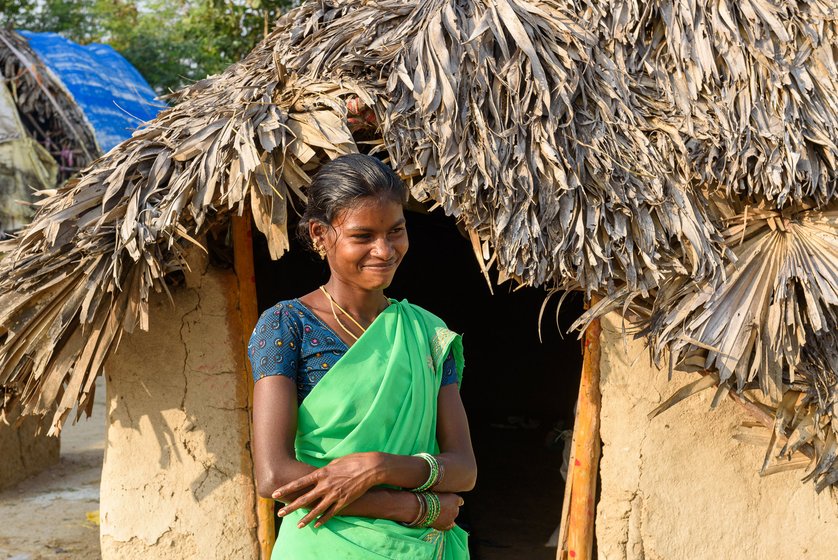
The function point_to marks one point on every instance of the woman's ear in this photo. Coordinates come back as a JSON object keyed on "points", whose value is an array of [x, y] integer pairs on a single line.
{"points": [[319, 233], [316, 232], [318, 239]]}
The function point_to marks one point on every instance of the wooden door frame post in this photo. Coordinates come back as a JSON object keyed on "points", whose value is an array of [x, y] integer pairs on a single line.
{"points": [[249, 310], [576, 536]]}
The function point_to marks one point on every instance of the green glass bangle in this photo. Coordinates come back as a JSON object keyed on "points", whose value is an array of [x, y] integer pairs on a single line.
{"points": [[434, 508], [434, 477]]}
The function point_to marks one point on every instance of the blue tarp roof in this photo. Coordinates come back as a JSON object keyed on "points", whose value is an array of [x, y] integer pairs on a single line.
{"points": [[115, 98]]}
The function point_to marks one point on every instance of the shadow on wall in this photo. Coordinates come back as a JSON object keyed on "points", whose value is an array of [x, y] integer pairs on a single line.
{"points": [[179, 394]]}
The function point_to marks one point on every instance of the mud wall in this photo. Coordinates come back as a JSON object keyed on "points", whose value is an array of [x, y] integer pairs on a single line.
{"points": [[22, 453], [177, 478], [679, 487]]}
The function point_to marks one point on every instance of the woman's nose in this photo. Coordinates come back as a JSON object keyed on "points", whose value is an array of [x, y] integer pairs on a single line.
{"points": [[383, 249]]}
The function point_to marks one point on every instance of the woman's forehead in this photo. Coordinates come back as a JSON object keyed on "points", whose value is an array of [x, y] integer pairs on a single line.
{"points": [[370, 214]]}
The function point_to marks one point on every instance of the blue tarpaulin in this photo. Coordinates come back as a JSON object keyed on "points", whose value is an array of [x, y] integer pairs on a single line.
{"points": [[115, 98]]}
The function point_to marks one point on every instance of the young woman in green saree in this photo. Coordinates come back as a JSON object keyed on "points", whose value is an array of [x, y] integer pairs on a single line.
{"points": [[359, 429]]}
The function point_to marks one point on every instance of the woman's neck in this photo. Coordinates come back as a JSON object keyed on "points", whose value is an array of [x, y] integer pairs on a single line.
{"points": [[364, 305]]}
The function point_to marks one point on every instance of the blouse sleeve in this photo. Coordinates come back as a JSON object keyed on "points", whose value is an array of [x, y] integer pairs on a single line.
{"points": [[274, 347], [449, 370]]}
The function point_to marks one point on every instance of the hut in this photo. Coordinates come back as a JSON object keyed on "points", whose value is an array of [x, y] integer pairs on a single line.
{"points": [[113, 94], [671, 163], [67, 103], [45, 134]]}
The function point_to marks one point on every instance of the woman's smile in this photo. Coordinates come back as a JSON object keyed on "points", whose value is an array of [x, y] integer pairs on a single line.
{"points": [[366, 243], [380, 266]]}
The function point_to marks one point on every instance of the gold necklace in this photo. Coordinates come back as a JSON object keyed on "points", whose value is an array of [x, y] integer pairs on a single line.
{"points": [[333, 304]]}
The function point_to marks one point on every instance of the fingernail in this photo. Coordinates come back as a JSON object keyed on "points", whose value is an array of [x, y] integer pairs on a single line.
{"points": [[281, 512], [300, 525], [317, 525]]}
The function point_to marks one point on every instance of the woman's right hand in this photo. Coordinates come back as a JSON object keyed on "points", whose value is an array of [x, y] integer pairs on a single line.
{"points": [[449, 509]]}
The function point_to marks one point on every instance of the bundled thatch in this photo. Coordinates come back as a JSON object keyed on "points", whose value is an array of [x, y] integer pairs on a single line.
{"points": [[47, 110], [677, 158]]}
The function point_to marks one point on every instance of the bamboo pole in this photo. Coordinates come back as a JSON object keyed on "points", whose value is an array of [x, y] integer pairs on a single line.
{"points": [[576, 536], [249, 310]]}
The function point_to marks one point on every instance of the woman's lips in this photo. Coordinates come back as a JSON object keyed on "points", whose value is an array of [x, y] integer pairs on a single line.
{"points": [[380, 266]]}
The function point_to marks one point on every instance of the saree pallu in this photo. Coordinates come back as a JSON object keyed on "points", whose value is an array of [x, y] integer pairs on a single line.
{"points": [[380, 396]]}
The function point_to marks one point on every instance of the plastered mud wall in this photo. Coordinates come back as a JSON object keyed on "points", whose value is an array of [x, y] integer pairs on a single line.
{"points": [[177, 478], [22, 453], [678, 487]]}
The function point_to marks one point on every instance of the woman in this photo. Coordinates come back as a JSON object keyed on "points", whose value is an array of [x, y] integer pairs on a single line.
{"points": [[358, 424]]}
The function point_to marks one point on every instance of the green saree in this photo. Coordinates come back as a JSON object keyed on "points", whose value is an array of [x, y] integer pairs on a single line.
{"points": [[380, 396]]}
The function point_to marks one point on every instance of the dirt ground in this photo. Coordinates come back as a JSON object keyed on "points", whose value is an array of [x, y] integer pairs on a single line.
{"points": [[55, 514]]}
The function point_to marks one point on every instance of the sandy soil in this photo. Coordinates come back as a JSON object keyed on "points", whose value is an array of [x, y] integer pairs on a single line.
{"points": [[55, 514]]}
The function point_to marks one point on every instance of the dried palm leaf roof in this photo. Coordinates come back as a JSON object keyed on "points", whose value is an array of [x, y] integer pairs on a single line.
{"points": [[677, 158], [46, 108]]}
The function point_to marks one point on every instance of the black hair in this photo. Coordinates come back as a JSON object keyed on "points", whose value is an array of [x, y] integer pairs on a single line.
{"points": [[343, 182]]}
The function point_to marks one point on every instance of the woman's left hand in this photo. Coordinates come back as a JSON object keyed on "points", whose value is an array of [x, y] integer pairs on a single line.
{"points": [[333, 487]]}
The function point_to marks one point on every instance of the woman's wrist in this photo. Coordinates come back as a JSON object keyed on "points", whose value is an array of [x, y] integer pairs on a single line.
{"points": [[379, 465], [404, 471], [410, 507], [385, 503]]}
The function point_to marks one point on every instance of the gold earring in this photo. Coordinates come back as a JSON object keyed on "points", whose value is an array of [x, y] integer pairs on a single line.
{"points": [[320, 250]]}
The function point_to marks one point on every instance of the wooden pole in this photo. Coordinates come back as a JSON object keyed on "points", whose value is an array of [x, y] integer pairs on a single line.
{"points": [[576, 536], [248, 307]]}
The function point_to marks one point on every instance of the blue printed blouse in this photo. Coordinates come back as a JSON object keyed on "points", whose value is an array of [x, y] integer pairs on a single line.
{"points": [[290, 340]]}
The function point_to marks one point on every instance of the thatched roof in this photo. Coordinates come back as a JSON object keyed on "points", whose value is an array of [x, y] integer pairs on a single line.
{"points": [[676, 158], [48, 111]]}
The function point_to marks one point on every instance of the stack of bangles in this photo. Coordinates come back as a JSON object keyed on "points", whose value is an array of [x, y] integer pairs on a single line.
{"points": [[429, 509], [429, 505]]}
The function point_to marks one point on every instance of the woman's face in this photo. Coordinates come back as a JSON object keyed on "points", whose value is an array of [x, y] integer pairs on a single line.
{"points": [[365, 244]]}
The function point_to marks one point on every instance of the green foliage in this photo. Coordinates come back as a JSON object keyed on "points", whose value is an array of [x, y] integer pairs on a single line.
{"points": [[16, 13], [170, 42]]}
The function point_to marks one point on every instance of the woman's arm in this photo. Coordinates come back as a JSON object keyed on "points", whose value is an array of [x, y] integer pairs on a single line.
{"points": [[456, 455], [454, 440], [274, 429]]}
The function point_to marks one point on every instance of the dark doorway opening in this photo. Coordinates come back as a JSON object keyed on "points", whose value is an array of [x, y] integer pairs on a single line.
{"points": [[519, 393]]}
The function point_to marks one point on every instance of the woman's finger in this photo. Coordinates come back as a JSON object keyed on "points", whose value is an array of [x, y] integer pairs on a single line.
{"points": [[294, 486], [315, 512], [331, 512], [302, 501]]}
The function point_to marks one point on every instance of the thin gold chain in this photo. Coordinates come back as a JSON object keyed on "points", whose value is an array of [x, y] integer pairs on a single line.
{"points": [[333, 304]]}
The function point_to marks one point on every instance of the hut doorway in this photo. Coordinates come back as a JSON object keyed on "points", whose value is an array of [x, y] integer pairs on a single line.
{"points": [[519, 393]]}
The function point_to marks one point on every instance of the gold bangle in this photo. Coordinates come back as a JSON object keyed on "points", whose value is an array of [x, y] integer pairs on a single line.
{"points": [[423, 507], [441, 475]]}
